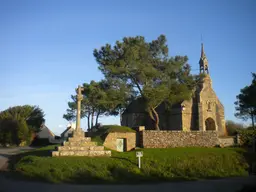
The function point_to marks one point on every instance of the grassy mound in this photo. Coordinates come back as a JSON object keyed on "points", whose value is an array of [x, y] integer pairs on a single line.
{"points": [[157, 165], [100, 134], [114, 128]]}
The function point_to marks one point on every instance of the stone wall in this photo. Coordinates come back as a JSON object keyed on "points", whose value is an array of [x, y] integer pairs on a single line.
{"points": [[111, 140], [226, 141], [165, 139]]}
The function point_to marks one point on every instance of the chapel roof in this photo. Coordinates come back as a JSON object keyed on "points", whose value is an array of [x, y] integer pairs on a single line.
{"points": [[139, 106]]}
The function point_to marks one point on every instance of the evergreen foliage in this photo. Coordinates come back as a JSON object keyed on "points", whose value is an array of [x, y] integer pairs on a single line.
{"points": [[148, 70], [246, 102], [18, 123]]}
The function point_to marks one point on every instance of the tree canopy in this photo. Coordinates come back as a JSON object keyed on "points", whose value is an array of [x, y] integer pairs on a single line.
{"points": [[148, 70], [17, 123], [233, 127], [246, 103], [99, 98]]}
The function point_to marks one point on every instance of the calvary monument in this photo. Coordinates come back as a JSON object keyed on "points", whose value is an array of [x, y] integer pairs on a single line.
{"points": [[78, 144]]}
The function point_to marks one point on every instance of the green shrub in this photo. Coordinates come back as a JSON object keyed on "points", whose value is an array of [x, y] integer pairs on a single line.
{"points": [[233, 127], [246, 136], [251, 128]]}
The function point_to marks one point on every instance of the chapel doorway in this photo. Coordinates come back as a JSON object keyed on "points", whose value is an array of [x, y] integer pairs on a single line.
{"points": [[210, 124]]}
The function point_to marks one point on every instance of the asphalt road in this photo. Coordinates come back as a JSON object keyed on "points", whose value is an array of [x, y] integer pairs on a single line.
{"points": [[224, 185]]}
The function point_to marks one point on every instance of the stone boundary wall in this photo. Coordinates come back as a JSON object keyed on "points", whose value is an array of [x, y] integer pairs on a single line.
{"points": [[165, 139], [227, 141]]}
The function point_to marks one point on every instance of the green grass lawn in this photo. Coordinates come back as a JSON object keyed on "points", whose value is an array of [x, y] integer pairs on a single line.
{"points": [[158, 165]]}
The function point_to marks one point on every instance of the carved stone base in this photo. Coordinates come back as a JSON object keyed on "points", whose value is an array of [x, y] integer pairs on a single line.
{"points": [[78, 145]]}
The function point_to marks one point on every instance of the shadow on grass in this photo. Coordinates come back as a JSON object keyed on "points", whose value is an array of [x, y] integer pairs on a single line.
{"points": [[120, 176], [117, 176], [12, 173], [14, 159], [250, 158]]}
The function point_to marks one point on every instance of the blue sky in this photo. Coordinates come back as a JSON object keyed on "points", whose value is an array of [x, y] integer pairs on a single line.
{"points": [[46, 46]]}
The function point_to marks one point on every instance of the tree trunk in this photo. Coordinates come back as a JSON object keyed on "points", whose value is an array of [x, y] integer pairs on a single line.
{"points": [[92, 118], [154, 117], [88, 122], [157, 119], [120, 113], [252, 116], [97, 118]]}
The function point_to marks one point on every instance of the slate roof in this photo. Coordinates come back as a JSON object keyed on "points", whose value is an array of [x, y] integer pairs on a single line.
{"points": [[138, 106], [48, 130], [64, 132]]}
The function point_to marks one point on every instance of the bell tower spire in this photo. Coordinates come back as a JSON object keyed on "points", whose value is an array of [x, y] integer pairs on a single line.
{"points": [[203, 62]]}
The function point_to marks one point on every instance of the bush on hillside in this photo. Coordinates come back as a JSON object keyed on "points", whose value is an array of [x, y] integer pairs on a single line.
{"points": [[233, 127], [246, 136], [251, 128]]}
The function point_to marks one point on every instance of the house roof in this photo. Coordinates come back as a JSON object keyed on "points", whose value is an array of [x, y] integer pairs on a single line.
{"points": [[66, 130], [44, 127]]}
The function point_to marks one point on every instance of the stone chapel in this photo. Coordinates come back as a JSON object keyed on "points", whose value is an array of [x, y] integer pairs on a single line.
{"points": [[203, 112]]}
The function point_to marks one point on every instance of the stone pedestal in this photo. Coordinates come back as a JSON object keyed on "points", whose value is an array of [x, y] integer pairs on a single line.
{"points": [[79, 145]]}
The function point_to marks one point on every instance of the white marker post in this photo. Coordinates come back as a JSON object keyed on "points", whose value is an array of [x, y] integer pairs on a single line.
{"points": [[139, 154]]}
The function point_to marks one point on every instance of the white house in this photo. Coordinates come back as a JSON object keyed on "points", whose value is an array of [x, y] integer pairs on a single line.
{"points": [[70, 128]]}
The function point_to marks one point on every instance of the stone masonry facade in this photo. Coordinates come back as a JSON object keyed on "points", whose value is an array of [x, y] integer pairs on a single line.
{"points": [[111, 138], [168, 139]]}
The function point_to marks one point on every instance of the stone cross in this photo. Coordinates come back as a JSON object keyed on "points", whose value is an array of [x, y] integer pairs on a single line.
{"points": [[79, 98]]}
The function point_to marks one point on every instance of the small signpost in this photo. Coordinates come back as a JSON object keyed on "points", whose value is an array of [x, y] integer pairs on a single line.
{"points": [[139, 154]]}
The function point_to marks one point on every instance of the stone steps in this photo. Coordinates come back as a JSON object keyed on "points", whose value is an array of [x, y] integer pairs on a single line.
{"points": [[80, 143], [82, 153], [81, 148], [86, 139]]}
